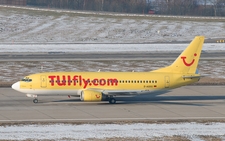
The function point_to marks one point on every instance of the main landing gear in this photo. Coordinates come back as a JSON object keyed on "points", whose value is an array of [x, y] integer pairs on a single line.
{"points": [[112, 100], [35, 100]]}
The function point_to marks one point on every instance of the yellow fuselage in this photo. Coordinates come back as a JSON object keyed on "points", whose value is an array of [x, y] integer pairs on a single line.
{"points": [[95, 86], [108, 81]]}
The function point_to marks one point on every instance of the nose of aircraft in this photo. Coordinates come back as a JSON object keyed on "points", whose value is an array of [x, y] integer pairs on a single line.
{"points": [[16, 86]]}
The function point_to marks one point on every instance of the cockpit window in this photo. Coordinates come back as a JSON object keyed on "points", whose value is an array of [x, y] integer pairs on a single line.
{"points": [[26, 80]]}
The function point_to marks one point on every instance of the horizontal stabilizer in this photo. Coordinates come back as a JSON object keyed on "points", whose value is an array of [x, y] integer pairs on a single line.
{"points": [[192, 76]]}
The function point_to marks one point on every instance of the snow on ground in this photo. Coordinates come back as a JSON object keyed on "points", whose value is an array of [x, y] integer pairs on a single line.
{"points": [[37, 26], [45, 25], [14, 71], [109, 48], [192, 131], [48, 30]]}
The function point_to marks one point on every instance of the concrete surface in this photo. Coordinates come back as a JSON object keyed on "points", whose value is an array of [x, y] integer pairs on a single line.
{"points": [[185, 103], [210, 55]]}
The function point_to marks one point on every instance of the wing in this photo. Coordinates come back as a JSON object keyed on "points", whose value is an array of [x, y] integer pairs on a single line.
{"points": [[117, 92], [130, 92]]}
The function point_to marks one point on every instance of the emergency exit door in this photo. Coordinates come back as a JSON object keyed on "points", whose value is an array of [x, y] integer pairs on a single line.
{"points": [[43, 81], [167, 81]]}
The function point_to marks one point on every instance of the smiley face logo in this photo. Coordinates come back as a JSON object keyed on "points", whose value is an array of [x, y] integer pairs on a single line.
{"points": [[97, 96], [188, 64]]}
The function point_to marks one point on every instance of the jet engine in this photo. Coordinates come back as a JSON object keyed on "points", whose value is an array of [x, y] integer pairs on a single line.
{"points": [[89, 95]]}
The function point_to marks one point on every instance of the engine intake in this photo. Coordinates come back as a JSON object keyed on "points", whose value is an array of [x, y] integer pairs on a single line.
{"points": [[89, 95]]}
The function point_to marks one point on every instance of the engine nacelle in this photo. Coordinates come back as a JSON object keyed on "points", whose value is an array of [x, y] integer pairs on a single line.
{"points": [[88, 95]]}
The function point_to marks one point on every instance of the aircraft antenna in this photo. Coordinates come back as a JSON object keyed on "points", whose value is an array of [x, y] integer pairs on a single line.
{"points": [[42, 67]]}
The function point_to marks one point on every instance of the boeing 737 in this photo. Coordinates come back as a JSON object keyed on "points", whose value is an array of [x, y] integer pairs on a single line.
{"points": [[99, 86]]}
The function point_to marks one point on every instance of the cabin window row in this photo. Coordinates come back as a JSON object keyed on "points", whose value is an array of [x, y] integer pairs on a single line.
{"points": [[115, 81], [120, 81], [137, 81]]}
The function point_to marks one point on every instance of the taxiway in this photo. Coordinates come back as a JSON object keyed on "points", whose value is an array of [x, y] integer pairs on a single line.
{"points": [[57, 56], [205, 103]]}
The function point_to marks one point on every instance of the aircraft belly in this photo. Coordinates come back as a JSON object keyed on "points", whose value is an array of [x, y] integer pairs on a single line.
{"points": [[129, 92], [50, 92]]}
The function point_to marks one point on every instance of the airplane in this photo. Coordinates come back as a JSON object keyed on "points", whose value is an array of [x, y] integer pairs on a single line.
{"points": [[102, 86]]}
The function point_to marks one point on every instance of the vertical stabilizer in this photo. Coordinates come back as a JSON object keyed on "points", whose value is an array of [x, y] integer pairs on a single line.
{"points": [[187, 62]]}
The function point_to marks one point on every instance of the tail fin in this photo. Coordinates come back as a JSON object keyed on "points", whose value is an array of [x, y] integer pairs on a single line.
{"points": [[187, 62]]}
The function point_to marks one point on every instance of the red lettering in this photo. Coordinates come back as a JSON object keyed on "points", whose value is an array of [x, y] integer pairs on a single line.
{"points": [[111, 82], [86, 82], [102, 82], [63, 83], [75, 80], [95, 82], [52, 80], [80, 80], [69, 80], [61, 80]]}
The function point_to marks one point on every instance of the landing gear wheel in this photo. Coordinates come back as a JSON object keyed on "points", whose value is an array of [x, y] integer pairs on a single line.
{"points": [[112, 100], [35, 100]]}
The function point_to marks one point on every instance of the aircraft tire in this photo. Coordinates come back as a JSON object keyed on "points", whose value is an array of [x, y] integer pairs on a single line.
{"points": [[35, 100], [112, 100]]}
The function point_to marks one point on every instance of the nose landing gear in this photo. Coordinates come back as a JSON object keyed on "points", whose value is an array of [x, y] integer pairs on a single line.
{"points": [[33, 96]]}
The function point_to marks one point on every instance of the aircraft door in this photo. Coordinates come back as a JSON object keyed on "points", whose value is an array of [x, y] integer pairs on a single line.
{"points": [[167, 81], [43, 81]]}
